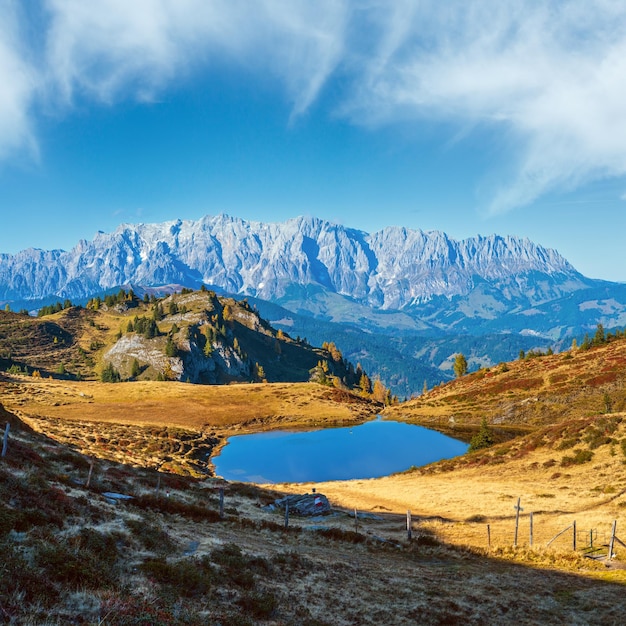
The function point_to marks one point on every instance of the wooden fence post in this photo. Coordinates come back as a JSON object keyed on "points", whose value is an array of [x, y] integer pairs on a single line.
{"points": [[287, 515], [91, 464], [517, 508], [409, 529], [531, 530], [489, 536], [356, 522], [158, 485], [609, 556], [574, 536], [221, 502], [5, 441]]}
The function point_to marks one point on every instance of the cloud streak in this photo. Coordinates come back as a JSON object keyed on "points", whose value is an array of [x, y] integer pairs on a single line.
{"points": [[550, 77], [19, 86], [108, 48], [547, 78]]}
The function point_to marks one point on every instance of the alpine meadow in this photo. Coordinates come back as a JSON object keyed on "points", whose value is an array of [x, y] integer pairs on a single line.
{"points": [[312, 314]]}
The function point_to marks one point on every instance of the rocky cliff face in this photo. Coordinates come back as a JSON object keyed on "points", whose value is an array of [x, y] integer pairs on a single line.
{"points": [[395, 268]]}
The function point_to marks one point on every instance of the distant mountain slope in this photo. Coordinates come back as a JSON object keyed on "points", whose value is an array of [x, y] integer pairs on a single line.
{"points": [[393, 269], [404, 360]]}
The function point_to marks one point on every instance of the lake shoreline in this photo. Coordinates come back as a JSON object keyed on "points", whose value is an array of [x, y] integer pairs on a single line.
{"points": [[373, 449]]}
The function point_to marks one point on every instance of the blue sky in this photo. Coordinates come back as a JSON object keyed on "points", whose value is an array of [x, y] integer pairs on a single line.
{"points": [[469, 117]]}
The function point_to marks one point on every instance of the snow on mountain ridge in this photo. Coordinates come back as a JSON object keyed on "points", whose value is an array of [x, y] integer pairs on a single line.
{"points": [[389, 269]]}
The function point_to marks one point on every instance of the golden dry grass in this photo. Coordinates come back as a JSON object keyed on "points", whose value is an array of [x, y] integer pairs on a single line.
{"points": [[457, 505], [316, 573], [196, 407], [172, 426], [453, 500]]}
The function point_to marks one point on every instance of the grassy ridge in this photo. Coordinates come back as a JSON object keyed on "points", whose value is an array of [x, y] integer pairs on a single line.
{"points": [[529, 392]]}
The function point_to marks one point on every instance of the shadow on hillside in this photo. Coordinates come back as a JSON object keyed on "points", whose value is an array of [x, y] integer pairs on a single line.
{"points": [[391, 580]]}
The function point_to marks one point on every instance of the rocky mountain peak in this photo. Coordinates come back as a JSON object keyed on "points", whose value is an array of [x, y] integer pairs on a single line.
{"points": [[392, 269]]}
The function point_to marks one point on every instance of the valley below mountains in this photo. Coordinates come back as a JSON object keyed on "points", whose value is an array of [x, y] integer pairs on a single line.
{"points": [[390, 298]]}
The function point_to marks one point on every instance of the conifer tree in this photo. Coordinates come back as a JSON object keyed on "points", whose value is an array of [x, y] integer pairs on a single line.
{"points": [[365, 384], [170, 348], [110, 374], [483, 438], [460, 365], [598, 338], [135, 369]]}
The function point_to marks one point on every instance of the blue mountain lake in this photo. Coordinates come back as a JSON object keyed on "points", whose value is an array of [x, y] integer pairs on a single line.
{"points": [[370, 450]]}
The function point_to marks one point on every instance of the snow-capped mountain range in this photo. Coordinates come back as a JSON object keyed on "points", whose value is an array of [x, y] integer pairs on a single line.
{"points": [[397, 300], [391, 269]]}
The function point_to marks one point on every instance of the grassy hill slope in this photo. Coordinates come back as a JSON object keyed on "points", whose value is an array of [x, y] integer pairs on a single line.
{"points": [[529, 392]]}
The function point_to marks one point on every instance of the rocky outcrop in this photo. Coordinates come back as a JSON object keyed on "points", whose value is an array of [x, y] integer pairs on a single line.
{"points": [[307, 505]]}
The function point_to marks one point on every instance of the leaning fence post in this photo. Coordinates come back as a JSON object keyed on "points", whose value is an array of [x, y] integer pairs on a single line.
{"points": [[409, 530], [91, 464], [356, 522], [489, 536], [609, 556], [5, 441], [221, 502], [287, 515], [574, 536], [558, 535], [531, 530]]}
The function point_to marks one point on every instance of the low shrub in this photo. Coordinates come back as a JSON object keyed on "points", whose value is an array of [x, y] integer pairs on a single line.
{"points": [[76, 568], [237, 567], [20, 583], [260, 604], [187, 578], [568, 443], [427, 540], [195, 512], [151, 536], [580, 457], [338, 534]]}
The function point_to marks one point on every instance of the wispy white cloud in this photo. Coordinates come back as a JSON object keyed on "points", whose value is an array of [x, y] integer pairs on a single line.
{"points": [[547, 77], [108, 48], [18, 86]]}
